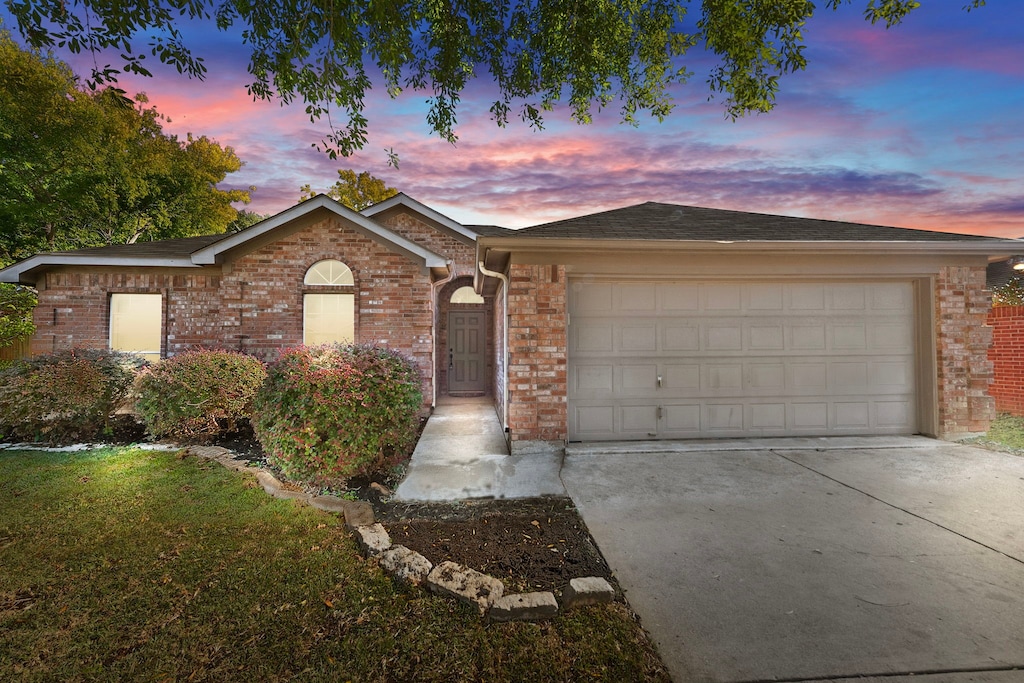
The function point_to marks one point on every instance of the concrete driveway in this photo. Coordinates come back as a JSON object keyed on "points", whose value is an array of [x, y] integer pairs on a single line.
{"points": [[815, 559]]}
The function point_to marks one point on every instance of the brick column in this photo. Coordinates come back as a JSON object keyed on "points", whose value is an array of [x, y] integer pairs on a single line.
{"points": [[537, 355], [962, 340]]}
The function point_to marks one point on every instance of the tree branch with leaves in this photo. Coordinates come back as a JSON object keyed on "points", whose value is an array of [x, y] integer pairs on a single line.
{"points": [[538, 53]]}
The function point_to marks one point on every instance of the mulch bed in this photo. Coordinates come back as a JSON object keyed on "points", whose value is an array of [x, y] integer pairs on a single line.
{"points": [[537, 544]]}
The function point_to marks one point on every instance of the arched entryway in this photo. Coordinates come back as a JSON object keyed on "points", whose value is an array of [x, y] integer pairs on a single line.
{"points": [[465, 343]]}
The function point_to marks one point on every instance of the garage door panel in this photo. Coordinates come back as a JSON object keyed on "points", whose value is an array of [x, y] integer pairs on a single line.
{"points": [[768, 297], [722, 297], [681, 420], [680, 337], [723, 417], [678, 297], [640, 377], [638, 338], [594, 336], [678, 360]]}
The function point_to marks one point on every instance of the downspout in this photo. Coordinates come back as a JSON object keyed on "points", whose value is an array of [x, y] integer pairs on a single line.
{"points": [[434, 323], [504, 348]]}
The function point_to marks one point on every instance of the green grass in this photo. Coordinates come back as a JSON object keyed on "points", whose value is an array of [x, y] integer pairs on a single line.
{"points": [[1007, 433], [123, 564]]}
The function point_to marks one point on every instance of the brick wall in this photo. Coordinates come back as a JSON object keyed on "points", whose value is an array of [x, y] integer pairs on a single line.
{"points": [[253, 304], [1007, 356], [537, 373], [962, 340], [413, 229]]}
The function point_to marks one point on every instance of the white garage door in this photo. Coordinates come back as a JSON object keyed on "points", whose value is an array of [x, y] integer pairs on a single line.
{"points": [[682, 360]]}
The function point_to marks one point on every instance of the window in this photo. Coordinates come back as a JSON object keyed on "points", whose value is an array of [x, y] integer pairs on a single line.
{"points": [[328, 316], [329, 272], [135, 324], [466, 295]]}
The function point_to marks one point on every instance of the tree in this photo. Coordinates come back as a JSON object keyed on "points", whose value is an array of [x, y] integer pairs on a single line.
{"points": [[1009, 294], [83, 168], [354, 191], [245, 219], [16, 304], [536, 52]]}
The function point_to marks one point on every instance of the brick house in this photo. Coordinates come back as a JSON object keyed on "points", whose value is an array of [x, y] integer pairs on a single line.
{"points": [[655, 321]]}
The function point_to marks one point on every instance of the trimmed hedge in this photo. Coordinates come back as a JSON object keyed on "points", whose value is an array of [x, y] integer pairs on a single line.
{"points": [[328, 413], [64, 396], [200, 392]]}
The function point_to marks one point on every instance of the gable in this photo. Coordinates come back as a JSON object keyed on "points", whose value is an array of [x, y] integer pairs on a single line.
{"points": [[207, 250]]}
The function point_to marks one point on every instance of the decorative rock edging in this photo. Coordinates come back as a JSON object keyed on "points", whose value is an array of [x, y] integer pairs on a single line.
{"points": [[406, 566]]}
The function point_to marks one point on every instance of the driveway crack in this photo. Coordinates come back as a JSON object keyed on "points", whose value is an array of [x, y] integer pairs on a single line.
{"points": [[897, 507]]}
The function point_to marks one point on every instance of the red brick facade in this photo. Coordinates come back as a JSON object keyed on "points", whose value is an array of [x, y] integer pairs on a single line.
{"points": [[537, 373], [254, 302], [962, 341], [1007, 355]]}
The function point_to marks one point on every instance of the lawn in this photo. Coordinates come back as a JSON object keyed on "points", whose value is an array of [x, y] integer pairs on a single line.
{"points": [[1006, 433], [122, 564]]}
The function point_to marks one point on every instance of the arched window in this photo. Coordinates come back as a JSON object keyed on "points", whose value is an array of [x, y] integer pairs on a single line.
{"points": [[329, 272], [466, 295], [328, 316]]}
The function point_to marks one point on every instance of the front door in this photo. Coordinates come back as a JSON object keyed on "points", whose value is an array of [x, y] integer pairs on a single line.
{"points": [[467, 352]]}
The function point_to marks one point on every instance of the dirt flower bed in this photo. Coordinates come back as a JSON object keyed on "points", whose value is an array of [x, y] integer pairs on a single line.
{"points": [[531, 545]]}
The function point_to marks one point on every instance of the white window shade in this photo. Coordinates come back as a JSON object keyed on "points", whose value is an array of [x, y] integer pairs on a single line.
{"points": [[135, 324], [328, 318]]}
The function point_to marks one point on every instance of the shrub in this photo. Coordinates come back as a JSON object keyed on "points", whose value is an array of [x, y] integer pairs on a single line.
{"points": [[64, 396], [328, 413], [199, 392]]}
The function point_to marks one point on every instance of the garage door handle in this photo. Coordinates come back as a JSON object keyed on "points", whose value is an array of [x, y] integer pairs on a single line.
{"points": [[659, 381]]}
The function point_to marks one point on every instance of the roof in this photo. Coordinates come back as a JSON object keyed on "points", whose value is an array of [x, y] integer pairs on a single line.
{"points": [[194, 252], [656, 221], [492, 230]]}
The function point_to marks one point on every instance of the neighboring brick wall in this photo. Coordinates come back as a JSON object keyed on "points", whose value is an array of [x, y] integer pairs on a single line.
{"points": [[1007, 356], [962, 340], [537, 373]]}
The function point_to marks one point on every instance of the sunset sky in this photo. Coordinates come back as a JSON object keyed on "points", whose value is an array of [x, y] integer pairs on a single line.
{"points": [[918, 126]]}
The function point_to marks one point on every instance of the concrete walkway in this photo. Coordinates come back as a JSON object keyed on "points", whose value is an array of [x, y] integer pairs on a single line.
{"points": [[462, 454]]}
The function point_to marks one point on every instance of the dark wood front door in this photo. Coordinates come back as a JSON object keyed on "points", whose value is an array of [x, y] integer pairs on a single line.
{"points": [[467, 352]]}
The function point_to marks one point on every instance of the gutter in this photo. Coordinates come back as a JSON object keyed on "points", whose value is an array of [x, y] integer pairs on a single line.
{"points": [[504, 349]]}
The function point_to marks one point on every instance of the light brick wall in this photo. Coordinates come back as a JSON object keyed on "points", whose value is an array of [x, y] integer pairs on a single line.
{"points": [[537, 372], [1007, 355], [962, 339]]}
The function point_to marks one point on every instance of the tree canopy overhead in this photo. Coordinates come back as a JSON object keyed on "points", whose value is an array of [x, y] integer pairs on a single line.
{"points": [[326, 53], [85, 168]]}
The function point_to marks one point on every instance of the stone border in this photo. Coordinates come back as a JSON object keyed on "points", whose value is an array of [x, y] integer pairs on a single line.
{"points": [[410, 568]]}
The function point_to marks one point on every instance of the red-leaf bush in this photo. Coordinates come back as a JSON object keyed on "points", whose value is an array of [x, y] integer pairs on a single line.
{"points": [[65, 396], [202, 392], [328, 413]]}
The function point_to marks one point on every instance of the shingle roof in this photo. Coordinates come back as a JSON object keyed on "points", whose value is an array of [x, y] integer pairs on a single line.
{"points": [[656, 221], [173, 248], [491, 230]]}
